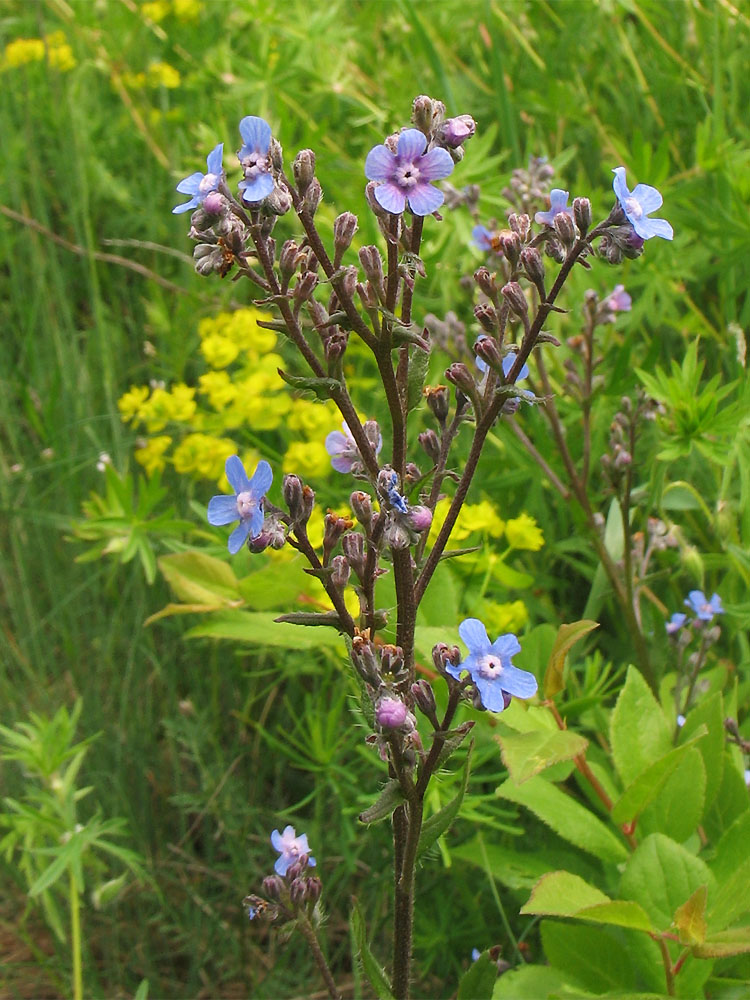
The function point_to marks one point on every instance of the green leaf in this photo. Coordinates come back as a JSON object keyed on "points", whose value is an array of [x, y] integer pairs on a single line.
{"points": [[639, 731], [277, 585], [533, 982], [518, 870], [259, 629], [595, 956], [321, 388], [568, 818], [677, 809], [690, 918], [649, 783], [709, 712], [419, 361], [526, 754], [200, 579], [731, 851], [732, 942], [142, 992], [372, 969], [562, 894], [731, 899], [389, 799], [662, 875], [567, 637], [479, 981], [437, 824], [683, 496]]}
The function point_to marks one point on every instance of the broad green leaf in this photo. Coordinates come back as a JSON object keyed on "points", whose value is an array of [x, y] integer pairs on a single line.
{"points": [[725, 943], [690, 918], [200, 579], [419, 361], [533, 982], [567, 637], [479, 981], [259, 629], [731, 802], [276, 585], [184, 609], [709, 712], [390, 797], [731, 899], [562, 894], [680, 495], [649, 783], [593, 955], [732, 849], [662, 875], [524, 718], [568, 818], [639, 732], [437, 824], [372, 968], [526, 754], [677, 809], [512, 868]]}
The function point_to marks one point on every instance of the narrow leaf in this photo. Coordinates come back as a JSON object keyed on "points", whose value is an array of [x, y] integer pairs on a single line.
{"points": [[437, 824], [390, 797], [372, 969], [322, 388], [690, 918], [567, 637]]}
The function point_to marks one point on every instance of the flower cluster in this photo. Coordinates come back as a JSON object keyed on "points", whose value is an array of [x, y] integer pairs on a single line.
{"points": [[292, 888], [703, 609]]}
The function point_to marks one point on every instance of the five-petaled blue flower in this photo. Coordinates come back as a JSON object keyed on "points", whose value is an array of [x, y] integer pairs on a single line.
{"points": [[290, 848], [558, 204], [638, 204], [198, 185], [702, 607], [406, 175], [489, 665], [675, 623], [254, 159], [246, 505]]}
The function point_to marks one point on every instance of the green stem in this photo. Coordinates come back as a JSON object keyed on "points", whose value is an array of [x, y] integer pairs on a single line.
{"points": [[668, 970], [303, 922], [75, 935]]}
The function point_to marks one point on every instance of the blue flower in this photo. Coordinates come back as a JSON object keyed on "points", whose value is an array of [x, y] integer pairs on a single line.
{"points": [[406, 175], [198, 185], [290, 848], [508, 362], [489, 665], [344, 451], [245, 506], [254, 159], [704, 609], [638, 204], [675, 623], [558, 204], [483, 237], [394, 497]]}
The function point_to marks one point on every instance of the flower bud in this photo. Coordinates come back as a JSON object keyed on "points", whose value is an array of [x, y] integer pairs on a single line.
{"points": [[305, 286], [424, 699], [334, 528], [365, 661], [430, 444], [391, 659], [373, 434], [487, 349], [516, 299], [442, 655], [291, 490], [565, 229], [313, 196], [510, 244], [461, 377], [279, 202], [373, 202], [276, 154], [372, 265], [214, 203], [391, 713], [272, 535], [582, 214], [304, 169], [486, 282], [438, 400], [272, 886], [298, 891], [361, 504], [344, 228], [289, 260], [335, 346], [520, 224], [554, 249], [485, 313], [314, 888], [534, 267], [453, 131], [353, 544], [425, 112], [419, 518], [341, 571]]}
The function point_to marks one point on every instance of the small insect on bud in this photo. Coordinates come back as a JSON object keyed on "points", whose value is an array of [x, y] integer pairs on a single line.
{"points": [[430, 445], [565, 229], [344, 228], [582, 214], [438, 400], [516, 299], [485, 313], [304, 169]]}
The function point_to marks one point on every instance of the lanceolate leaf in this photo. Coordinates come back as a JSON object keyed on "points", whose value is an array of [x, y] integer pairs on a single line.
{"points": [[526, 754], [436, 825], [567, 636], [390, 797], [372, 968]]}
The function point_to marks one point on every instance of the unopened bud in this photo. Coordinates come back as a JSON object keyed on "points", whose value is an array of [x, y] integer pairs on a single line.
{"points": [[373, 434], [510, 244], [353, 544], [334, 528], [486, 348], [373, 202], [442, 655], [425, 112], [534, 267], [304, 169], [565, 229], [276, 154], [313, 196], [208, 258], [272, 886], [372, 265], [485, 313], [341, 571], [424, 699], [486, 282], [214, 203], [454, 131], [365, 661], [291, 490], [430, 444], [521, 224], [335, 346], [305, 286], [554, 249], [391, 659], [344, 228], [279, 202], [289, 260], [391, 713], [298, 891], [438, 400], [582, 214], [419, 518], [361, 504], [314, 888], [462, 378], [516, 299]]}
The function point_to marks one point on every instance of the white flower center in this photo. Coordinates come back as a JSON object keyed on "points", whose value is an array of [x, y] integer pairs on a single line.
{"points": [[633, 208], [255, 164], [246, 504], [407, 176], [490, 666], [208, 183]]}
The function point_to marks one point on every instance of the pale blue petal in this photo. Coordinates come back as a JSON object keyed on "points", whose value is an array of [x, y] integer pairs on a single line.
{"points": [[491, 693], [506, 646], [336, 443], [276, 841], [436, 164], [239, 536], [390, 197], [646, 228], [256, 520], [214, 159], [222, 510], [235, 472], [411, 144], [619, 185], [193, 203], [474, 635], [647, 197], [191, 184], [380, 164], [508, 361], [520, 683], [558, 201], [257, 189], [260, 484], [282, 864], [424, 199], [256, 134]]}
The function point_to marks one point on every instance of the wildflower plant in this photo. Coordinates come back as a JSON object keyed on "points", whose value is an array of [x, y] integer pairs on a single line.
{"points": [[403, 514]]}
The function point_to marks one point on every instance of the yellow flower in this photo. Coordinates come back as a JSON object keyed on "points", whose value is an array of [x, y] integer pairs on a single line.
{"points": [[22, 51], [261, 402], [241, 327], [472, 517], [155, 11], [187, 10], [151, 454], [131, 404], [308, 459], [219, 351], [202, 455], [313, 420], [524, 533], [161, 74], [59, 52], [182, 402], [219, 388], [501, 618]]}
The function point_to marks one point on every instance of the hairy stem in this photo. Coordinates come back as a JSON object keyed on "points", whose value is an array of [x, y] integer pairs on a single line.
{"points": [[304, 924]]}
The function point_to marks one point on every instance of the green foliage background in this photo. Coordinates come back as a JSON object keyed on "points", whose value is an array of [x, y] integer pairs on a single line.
{"points": [[203, 749]]}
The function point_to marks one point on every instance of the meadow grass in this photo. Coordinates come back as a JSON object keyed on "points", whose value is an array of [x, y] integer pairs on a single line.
{"points": [[189, 750]]}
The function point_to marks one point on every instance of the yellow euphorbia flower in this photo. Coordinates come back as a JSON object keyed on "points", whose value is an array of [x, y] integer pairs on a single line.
{"points": [[480, 517], [219, 351], [202, 455], [151, 454], [501, 618], [314, 420], [161, 74], [131, 404], [523, 532], [219, 388], [308, 459]]}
